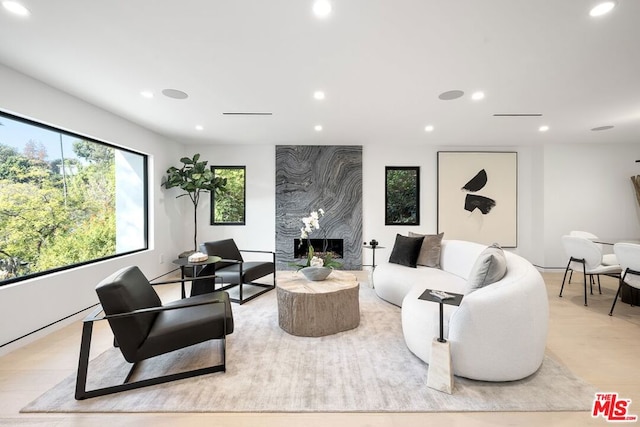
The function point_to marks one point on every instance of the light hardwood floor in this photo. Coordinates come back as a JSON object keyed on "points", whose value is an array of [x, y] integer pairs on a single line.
{"points": [[602, 350]]}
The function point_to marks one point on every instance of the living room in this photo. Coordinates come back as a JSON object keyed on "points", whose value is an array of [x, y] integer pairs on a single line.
{"points": [[544, 173], [564, 183]]}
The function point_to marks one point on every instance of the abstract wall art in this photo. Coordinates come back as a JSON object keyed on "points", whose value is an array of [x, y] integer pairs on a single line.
{"points": [[477, 196]]}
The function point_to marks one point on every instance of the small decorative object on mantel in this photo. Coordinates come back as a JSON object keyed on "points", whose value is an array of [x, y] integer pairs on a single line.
{"points": [[319, 264]]}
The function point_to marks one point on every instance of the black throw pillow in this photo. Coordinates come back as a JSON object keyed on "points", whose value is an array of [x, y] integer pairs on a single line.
{"points": [[406, 250]]}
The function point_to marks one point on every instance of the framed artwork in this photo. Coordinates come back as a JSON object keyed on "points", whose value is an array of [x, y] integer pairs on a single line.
{"points": [[402, 195], [477, 196], [228, 207]]}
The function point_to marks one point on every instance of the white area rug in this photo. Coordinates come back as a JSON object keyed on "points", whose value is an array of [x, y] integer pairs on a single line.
{"points": [[367, 369]]}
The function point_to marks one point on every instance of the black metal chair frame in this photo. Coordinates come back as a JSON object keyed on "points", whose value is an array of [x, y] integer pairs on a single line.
{"points": [[267, 288], [85, 347], [633, 289], [570, 270], [585, 274]]}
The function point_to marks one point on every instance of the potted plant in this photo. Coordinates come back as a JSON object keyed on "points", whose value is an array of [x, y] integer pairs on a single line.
{"points": [[193, 178], [318, 265]]}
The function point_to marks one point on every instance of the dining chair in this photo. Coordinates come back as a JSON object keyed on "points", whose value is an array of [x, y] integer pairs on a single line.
{"points": [[607, 259], [585, 255], [629, 256]]}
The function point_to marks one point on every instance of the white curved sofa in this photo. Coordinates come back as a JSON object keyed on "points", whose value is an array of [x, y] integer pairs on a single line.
{"points": [[498, 333]]}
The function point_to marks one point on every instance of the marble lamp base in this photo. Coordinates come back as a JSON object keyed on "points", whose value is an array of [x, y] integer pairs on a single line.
{"points": [[440, 375]]}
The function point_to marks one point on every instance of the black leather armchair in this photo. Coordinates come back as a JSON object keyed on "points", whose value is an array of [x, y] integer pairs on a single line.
{"points": [[234, 271], [143, 327]]}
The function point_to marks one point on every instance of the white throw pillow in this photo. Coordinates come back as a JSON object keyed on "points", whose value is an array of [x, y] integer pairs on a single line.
{"points": [[490, 266]]}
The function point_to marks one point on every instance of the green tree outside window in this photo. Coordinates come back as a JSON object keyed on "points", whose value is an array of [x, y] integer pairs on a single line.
{"points": [[44, 227], [402, 195], [229, 207]]}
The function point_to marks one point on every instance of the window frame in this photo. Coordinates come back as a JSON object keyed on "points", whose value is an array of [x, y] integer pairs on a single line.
{"points": [[388, 219], [244, 197], [145, 197]]}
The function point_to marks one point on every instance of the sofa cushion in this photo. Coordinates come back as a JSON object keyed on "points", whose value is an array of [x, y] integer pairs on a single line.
{"points": [[430, 251], [458, 256], [490, 266], [395, 281], [406, 250]]}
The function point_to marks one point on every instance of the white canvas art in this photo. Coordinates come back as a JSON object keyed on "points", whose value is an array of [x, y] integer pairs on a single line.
{"points": [[477, 196]]}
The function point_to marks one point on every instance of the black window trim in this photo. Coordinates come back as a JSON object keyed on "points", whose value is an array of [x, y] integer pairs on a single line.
{"points": [[145, 161]]}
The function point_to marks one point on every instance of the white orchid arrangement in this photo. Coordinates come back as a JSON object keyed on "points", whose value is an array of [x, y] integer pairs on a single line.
{"points": [[315, 259], [311, 222]]}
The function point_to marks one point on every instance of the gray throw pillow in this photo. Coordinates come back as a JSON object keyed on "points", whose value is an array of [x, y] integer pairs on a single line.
{"points": [[431, 247], [490, 266], [405, 250]]}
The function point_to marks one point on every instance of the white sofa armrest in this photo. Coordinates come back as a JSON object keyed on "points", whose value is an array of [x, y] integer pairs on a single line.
{"points": [[499, 332]]}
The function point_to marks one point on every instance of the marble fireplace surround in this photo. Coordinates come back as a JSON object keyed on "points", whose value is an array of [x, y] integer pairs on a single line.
{"points": [[308, 178]]}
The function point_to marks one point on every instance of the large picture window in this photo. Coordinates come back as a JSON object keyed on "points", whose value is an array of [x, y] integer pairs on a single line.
{"points": [[66, 200]]}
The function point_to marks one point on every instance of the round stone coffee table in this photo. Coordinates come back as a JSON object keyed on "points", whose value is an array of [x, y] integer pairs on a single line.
{"points": [[316, 309]]}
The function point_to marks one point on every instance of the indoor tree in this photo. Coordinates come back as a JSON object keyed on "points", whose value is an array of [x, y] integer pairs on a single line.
{"points": [[194, 178]]}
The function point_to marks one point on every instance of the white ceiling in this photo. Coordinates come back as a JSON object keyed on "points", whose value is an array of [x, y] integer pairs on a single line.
{"points": [[381, 63]]}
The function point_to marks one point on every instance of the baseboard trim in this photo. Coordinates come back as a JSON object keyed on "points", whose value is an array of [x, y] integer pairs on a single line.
{"points": [[38, 333]]}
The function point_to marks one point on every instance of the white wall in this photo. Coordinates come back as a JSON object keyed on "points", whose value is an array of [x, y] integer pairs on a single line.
{"points": [[379, 156], [588, 187], [259, 231], [32, 304], [558, 190]]}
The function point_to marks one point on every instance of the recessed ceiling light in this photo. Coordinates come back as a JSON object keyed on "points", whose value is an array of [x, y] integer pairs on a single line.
{"points": [[318, 94], [146, 94], [429, 128], [543, 128], [321, 8], [602, 128], [174, 93], [16, 7], [451, 94], [317, 128], [199, 127], [602, 8], [477, 96]]}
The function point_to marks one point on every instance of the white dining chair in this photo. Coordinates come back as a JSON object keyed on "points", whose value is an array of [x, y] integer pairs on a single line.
{"points": [[585, 255], [629, 256], [607, 259]]}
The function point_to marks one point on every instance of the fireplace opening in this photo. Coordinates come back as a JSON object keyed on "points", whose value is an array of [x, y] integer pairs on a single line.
{"points": [[301, 247]]}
